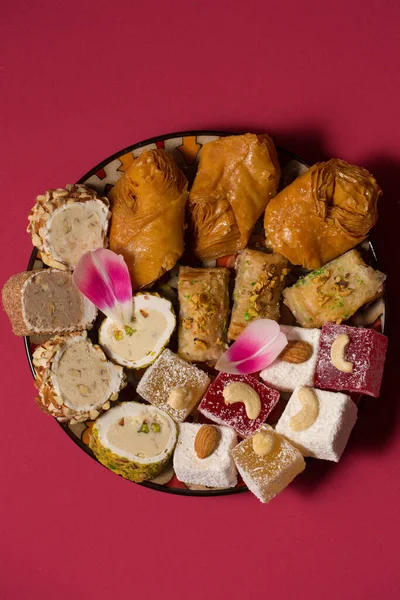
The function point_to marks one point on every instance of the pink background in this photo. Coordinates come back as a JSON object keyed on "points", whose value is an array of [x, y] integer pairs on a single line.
{"points": [[82, 81]]}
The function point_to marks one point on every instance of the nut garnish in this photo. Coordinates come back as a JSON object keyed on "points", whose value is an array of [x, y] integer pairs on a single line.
{"points": [[263, 443], [179, 398], [338, 353], [296, 352], [206, 441], [242, 392], [309, 411], [200, 344]]}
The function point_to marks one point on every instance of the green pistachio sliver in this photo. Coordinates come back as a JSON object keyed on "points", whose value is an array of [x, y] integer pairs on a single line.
{"points": [[247, 317], [129, 330], [156, 427], [144, 428], [118, 335]]}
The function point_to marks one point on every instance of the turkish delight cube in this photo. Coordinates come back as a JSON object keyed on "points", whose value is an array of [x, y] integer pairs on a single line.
{"points": [[363, 349], [268, 467], [218, 406], [284, 375], [216, 470], [318, 423], [173, 385]]}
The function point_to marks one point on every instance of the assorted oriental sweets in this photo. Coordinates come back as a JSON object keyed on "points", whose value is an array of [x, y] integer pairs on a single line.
{"points": [[177, 347]]}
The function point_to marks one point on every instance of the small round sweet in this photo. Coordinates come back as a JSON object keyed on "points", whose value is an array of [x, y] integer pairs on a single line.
{"points": [[134, 440], [66, 223], [138, 344], [75, 380]]}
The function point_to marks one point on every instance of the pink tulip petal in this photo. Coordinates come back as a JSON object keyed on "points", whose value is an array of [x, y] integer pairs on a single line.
{"points": [[256, 335], [103, 277], [256, 348]]}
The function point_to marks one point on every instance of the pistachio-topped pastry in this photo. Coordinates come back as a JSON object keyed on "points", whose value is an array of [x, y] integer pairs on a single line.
{"points": [[204, 308], [134, 440], [66, 223], [334, 292], [138, 344], [260, 279]]}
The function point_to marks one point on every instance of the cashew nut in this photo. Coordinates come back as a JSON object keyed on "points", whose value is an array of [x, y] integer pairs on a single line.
{"points": [[263, 443], [338, 353], [238, 391], [179, 398], [309, 411]]}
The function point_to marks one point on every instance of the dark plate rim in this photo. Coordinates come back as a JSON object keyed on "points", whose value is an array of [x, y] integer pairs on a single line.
{"points": [[93, 171]]}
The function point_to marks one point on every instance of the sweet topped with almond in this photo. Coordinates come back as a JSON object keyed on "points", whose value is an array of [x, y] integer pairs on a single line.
{"points": [[211, 345], [297, 362]]}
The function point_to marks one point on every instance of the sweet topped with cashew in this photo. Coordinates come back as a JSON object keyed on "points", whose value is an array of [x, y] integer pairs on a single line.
{"points": [[237, 391]]}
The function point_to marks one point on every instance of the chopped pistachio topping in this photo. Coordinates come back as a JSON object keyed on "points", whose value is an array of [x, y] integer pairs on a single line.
{"points": [[118, 335], [156, 427], [129, 330], [144, 428]]}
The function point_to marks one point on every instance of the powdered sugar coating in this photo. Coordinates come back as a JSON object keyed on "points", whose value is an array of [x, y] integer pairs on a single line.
{"points": [[217, 470], [367, 352], [285, 376], [234, 415], [167, 372], [327, 437], [267, 476]]}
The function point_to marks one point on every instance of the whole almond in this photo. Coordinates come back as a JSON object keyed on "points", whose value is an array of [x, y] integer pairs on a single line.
{"points": [[296, 352], [206, 441]]}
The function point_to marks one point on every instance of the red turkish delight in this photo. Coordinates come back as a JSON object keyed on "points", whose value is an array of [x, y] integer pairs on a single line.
{"points": [[359, 358], [238, 401]]}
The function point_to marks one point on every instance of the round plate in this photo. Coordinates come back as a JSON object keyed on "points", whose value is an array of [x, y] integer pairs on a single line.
{"points": [[185, 148]]}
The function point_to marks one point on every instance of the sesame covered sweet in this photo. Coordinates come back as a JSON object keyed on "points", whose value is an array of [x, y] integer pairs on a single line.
{"points": [[203, 455], [318, 423], [238, 401], [267, 463], [364, 351], [173, 385]]}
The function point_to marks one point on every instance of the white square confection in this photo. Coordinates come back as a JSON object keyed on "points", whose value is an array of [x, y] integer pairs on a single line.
{"points": [[327, 437], [170, 371], [217, 470], [285, 376]]}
